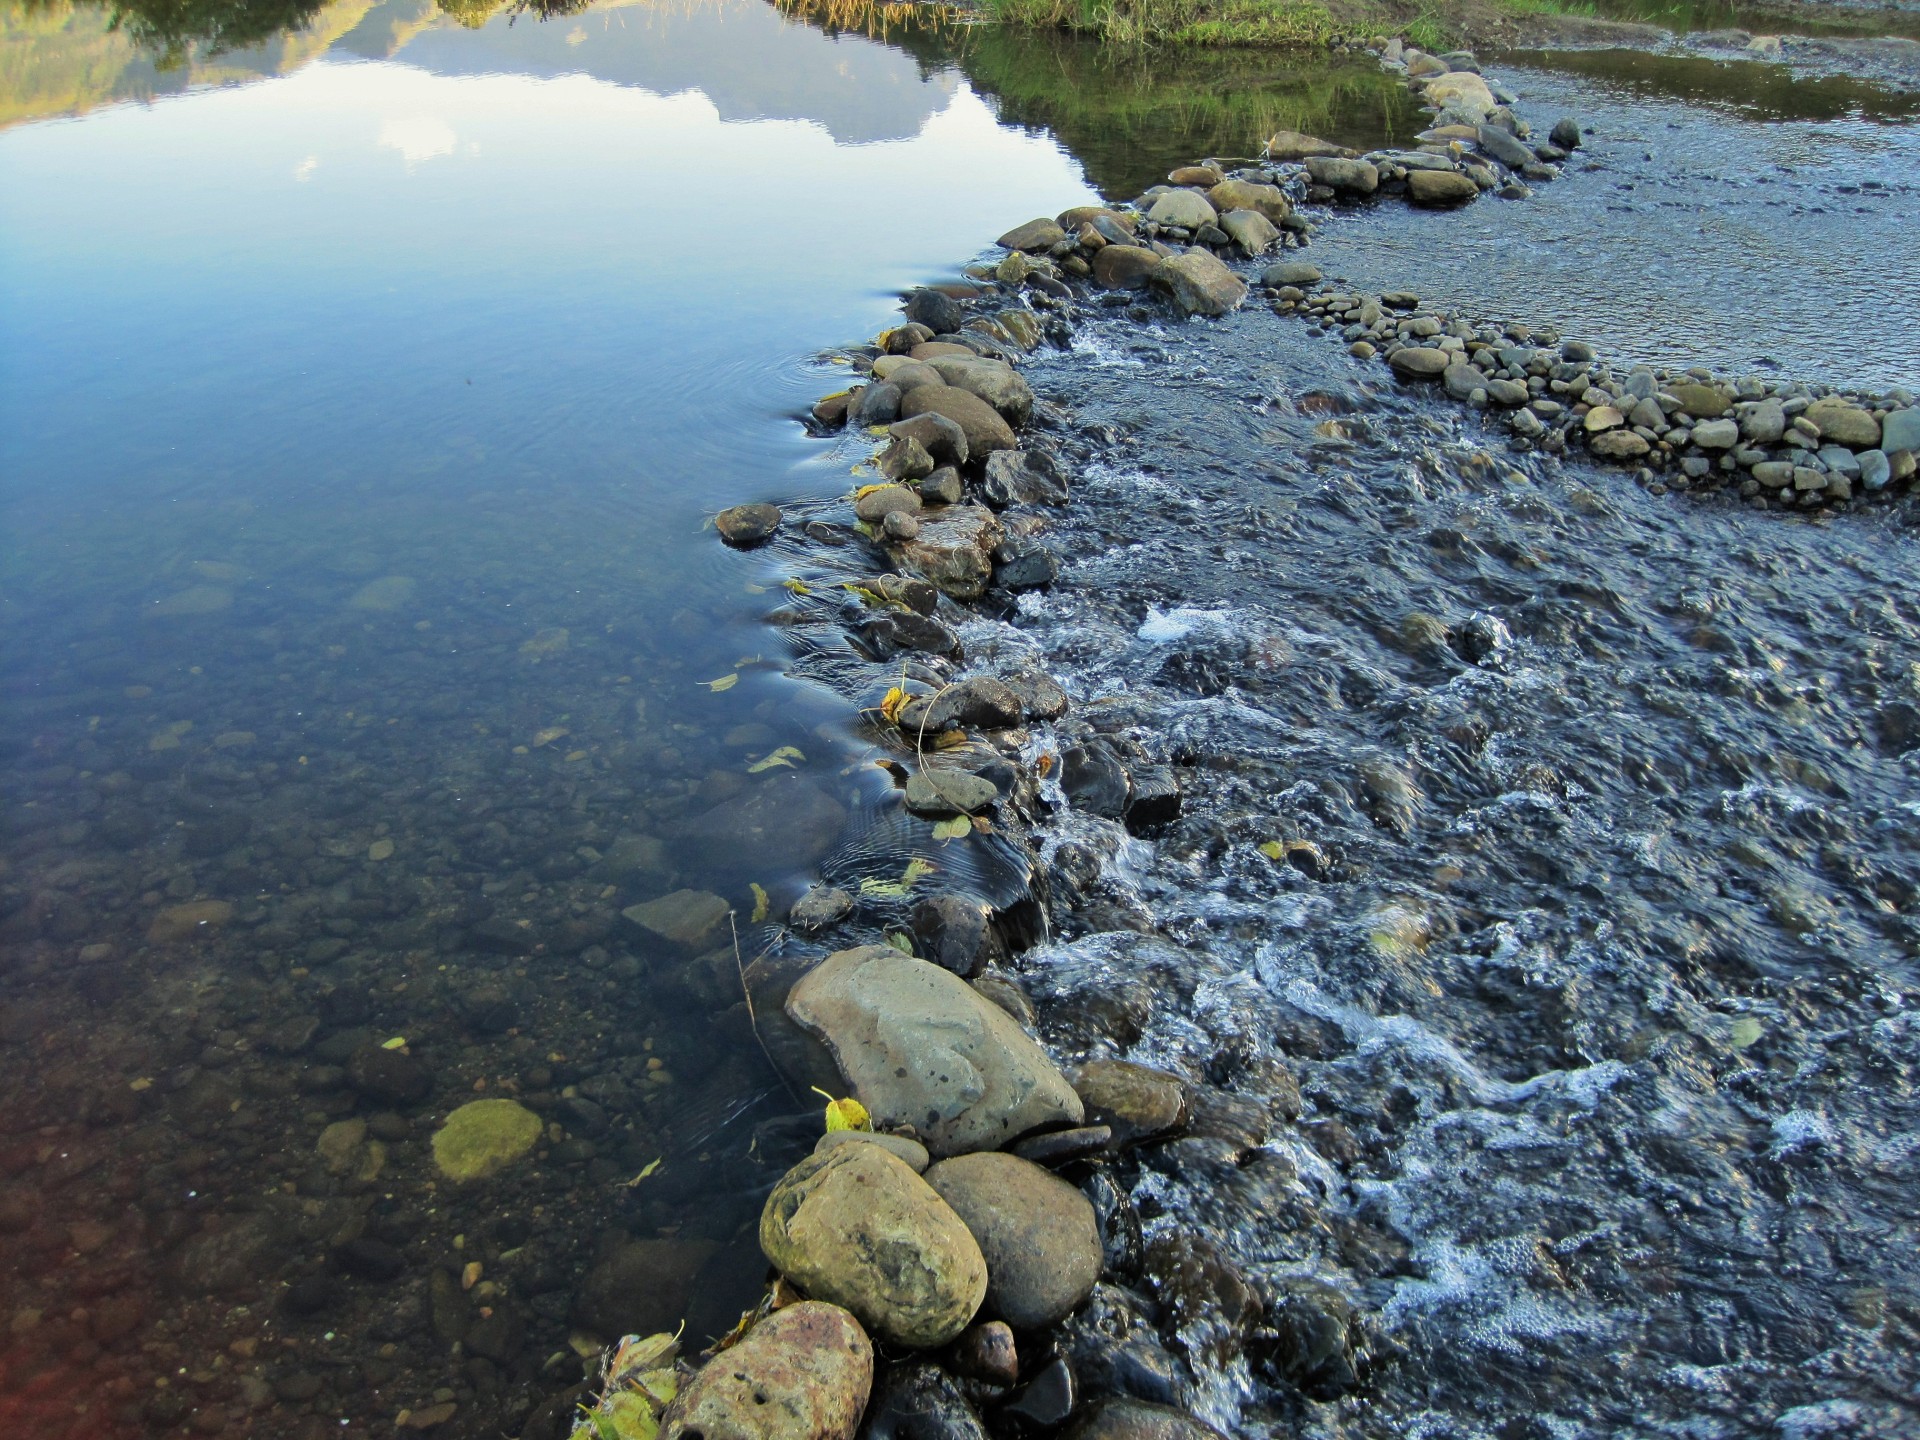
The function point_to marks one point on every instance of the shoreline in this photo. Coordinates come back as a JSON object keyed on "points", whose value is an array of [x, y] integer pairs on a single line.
{"points": [[952, 526]]}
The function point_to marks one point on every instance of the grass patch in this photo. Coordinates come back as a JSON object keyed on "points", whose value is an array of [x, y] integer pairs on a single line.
{"points": [[1183, 22]]}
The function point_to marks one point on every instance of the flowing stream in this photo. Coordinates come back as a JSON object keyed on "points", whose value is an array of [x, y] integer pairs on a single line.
{"points": [[365, 389]]}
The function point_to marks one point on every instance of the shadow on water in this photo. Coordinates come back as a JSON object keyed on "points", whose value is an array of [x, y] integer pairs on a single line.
{"points": [[1747, 88]]}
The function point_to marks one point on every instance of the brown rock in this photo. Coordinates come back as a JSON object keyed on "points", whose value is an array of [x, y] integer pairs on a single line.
{"points": [[803, 1373], [985, 430]]}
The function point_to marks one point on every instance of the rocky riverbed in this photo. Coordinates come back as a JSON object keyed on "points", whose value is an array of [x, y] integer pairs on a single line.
{"points": [[1236, 1235]]}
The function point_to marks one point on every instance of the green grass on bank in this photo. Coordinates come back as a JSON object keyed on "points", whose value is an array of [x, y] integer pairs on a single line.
{"points": [[1183, 22]]}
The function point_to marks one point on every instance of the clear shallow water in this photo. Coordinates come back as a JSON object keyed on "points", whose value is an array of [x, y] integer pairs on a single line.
{"points": [[358, 426]]}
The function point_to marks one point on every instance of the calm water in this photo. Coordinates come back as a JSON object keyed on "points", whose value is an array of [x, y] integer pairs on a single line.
{"points": [[364, 391]]}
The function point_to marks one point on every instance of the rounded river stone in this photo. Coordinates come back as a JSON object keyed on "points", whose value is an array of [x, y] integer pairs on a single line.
{"points": [[802, 1373], [856, 1226], [1037, 1232]]}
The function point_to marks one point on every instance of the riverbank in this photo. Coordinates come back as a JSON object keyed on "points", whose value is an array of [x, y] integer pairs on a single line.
{"points": [[901, 603]]}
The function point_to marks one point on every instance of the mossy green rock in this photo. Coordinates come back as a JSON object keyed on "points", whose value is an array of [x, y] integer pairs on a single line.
{"points": [[483, 1138]]}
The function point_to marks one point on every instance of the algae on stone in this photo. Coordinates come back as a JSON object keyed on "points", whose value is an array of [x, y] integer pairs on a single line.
{"points": [[483, 1137]]}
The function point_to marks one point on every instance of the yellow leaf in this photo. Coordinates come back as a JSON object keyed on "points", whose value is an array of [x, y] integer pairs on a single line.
{"points": [[798, 587], [883, 889], [725, 682], [785, 755], [950, 740], [916, 869], [848, 1114], [573, 755], [1274, 850], [759, 902], [650, 1167], [548, 735], [398, 1042], [865, 490], [895, 704], [901, 942], [952, 829], [982, 825]]}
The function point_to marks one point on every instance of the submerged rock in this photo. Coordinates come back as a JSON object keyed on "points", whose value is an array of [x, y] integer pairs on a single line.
{"points": [[787, 818], [856, 1226], [920, 1047], [1125, 1418], [686, 919], [920, 1402], [1036, 1231], [483, 1137], [803, 1373]]}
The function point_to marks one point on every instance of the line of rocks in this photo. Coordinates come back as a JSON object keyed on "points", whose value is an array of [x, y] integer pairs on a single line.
{"points": [[1779, 444], [965, 1230]]}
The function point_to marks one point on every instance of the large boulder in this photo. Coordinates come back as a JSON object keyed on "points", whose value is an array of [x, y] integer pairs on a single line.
{"points": [[855, 1225], [979, 421], [1270, 200], [1200, 284], [994, 381], [1037, 1232], [919, 1046], [802, 1373]]}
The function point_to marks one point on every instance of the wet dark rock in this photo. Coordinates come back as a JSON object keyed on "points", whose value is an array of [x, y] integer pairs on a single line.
{"points": [[1023, 477], [876, 404], [943, 439], [830, 411], [820, 907], [1046, 1401], [233, 1255], [1121, 1244], [498, 1337], [788, 816], [952, 931], [986, 1352], [1154, 797], [639, 1287], [1565, 133], [1094, 780], [1137, 1102], [891, 632], [1311, 1332], [369, 1259], [940, 313], [1024, 564], [904, 459], [977, 703], [944, 486], [1040, 695], [1062, 1147], [920, 1401], [1502, 146], [500, 937], [743, 526], [1130, 1419], [954, 550], [1036, 1231], [1204, 1298], [390, 1077]]}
